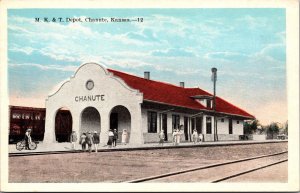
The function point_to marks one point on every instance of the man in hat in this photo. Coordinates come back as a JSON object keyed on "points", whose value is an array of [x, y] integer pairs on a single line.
{"points": [[96, 140], [89, 141], [27, 138], [115, 138]]}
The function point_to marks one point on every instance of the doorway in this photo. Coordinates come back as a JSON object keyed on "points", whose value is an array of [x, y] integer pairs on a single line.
{"points": [[90, 120], [186, 129], [165, 125], [199, 124], [63, 125]]}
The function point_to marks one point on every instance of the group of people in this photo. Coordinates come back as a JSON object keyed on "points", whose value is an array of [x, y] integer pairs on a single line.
{"points": [[177, 137], [113, 137], [88, 139], [196, 137]]}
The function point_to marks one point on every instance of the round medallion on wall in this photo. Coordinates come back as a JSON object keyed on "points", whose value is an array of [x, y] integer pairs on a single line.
{"points": [[89, 85]]}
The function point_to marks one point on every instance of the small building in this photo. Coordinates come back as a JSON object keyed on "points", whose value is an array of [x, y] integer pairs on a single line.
{"points": [[99, 99]]}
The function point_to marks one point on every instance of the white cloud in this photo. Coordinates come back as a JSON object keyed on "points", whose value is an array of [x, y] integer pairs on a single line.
{"points": [[253, 22], [26, 50], [225, 55], [46, 67]]}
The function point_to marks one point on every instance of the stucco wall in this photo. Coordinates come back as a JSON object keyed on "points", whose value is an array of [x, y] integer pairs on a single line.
{"points": [[238, 129], [223, 127], [111, 92]]}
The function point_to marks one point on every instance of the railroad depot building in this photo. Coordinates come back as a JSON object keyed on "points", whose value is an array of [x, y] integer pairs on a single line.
{"points": [[99, 99]]}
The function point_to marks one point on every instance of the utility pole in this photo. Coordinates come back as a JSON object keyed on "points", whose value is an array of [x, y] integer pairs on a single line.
{"points": [[214, 79]]}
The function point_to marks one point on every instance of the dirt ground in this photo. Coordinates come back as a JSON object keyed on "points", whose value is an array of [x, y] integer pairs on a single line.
{"points": [[126, 165]]}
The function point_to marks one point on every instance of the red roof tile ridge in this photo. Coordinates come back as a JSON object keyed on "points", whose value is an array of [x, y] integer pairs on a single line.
{"points": [[156, 81], [183, 100], [235, 106]]}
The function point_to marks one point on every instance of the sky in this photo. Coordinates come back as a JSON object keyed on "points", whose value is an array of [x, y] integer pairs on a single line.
{"points": [[247, 46]]}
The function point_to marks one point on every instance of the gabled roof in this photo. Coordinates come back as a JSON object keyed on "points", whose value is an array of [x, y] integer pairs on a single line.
{"points": [[175, 95]]}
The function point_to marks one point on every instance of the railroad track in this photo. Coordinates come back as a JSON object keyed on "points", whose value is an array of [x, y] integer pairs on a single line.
{"points": [[243, 166], [27, 153]]}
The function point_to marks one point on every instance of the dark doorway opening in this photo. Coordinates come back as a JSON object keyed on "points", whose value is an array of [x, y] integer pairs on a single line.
{"points": [[199, 124], [186, 129], [230, 126], [90, 120], [165, 126], [120, 119], [63, 125], [113, 121]]}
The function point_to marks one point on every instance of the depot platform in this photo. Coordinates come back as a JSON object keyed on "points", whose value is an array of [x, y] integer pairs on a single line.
{"points": [[66, 147]]}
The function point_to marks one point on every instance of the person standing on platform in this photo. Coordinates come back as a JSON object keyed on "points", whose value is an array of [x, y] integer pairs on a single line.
{"points": [[124, 136], [110, 138], [115, 138], [195, 136], [161, 136], [174, 135], [178, 136], [201, 137], [96, 140], [89, 141], [82, 141], [27, 138], [73, 139]]}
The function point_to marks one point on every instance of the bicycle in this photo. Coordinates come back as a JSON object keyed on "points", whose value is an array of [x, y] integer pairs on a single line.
{"points": [[22, 144]]}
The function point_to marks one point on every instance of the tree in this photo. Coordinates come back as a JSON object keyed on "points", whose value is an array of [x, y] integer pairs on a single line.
{"points": [[286, 131], [273, 129], [250, 127]]}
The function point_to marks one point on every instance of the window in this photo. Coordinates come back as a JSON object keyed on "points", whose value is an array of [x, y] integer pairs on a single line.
{"points": [[237, 122], [37, 117], [175, 121], [222, 120], [193, 123], [208, 125], [230, 126], [208, 103], [27, 116], [152, 122], [16, 116]]}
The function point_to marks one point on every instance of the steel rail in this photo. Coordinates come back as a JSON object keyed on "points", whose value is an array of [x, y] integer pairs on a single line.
{"points": [[200, 168], [140, 148], [248, 171]]}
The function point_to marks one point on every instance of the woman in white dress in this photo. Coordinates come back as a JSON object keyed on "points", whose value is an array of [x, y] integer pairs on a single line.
{"points": [[195, 136], [124, 136]]}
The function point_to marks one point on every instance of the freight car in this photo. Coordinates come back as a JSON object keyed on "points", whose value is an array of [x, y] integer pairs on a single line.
{"points": [[22, 118]]}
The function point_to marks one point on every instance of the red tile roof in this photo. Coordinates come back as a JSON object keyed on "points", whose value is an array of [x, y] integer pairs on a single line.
{"points": [[175, 95]]}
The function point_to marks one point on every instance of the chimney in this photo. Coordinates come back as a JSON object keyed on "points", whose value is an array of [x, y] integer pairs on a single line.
{"points": [[147, 75], [181, 84]]}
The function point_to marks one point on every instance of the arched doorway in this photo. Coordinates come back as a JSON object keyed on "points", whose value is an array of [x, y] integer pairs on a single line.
{"points": [[63, 125], [120, 119], [90, 120]]}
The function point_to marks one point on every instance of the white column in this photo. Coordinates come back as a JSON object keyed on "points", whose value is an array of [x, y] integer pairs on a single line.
{"points": [[213, 125], [136, 134], [104, 119], [49, 135], [76, 122], [204, 124], [169, 122]]}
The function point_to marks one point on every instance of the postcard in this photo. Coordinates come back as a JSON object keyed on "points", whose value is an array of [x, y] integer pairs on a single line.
{"points": [[149, 96]]}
